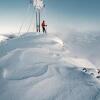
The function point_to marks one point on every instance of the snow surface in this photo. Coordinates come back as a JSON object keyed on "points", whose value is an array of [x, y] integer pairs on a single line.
{"points": [[3, 38], [44, 67]]}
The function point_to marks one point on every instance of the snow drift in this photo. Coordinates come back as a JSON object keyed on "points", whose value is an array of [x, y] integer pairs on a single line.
{"points": [[41, 67]]}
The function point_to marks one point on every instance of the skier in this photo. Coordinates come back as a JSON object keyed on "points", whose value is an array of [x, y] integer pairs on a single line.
{"points": [[43, 26]]}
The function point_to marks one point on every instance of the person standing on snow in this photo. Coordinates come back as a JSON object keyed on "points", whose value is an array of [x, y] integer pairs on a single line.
{"points": [[44, 26]]}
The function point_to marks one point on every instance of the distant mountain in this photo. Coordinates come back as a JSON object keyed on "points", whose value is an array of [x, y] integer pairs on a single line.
{"points": [[6, 36], [3, 38]]}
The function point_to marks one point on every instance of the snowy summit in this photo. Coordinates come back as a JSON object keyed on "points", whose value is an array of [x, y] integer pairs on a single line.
{"points": [[41, 67]]}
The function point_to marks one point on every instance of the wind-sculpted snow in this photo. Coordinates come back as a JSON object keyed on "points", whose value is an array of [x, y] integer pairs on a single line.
{"points": [[41, 67], [20, 66], [28, 41]]}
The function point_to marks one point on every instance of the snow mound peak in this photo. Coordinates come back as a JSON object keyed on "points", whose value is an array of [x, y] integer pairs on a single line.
{"points": [[39, 67]]}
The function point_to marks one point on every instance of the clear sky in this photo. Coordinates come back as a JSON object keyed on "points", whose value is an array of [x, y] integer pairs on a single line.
{"points": [[60, 15]]}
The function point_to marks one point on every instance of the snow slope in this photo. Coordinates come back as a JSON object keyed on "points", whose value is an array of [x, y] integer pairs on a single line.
{"points": [[41, 67]]}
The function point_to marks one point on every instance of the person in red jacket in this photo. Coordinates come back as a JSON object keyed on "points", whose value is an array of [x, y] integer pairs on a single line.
{"points": [[43, 26]]}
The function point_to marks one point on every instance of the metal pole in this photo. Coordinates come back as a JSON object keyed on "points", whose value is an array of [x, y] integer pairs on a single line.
{"points": [[38, 5], [39, 20], [36, 22]]}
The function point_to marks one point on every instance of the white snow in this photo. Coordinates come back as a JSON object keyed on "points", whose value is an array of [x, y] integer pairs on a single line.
{"points": [[2, 38], [44, 67]]}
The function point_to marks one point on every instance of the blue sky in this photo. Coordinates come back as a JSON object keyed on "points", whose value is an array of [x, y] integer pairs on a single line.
{"points": [[60, 15]]}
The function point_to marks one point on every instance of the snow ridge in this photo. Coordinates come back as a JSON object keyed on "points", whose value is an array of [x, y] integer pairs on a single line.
{"points": [[41, 67]]}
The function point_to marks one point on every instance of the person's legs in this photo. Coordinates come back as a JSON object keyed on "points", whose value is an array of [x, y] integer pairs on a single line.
{"points": [[44, 30]]}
